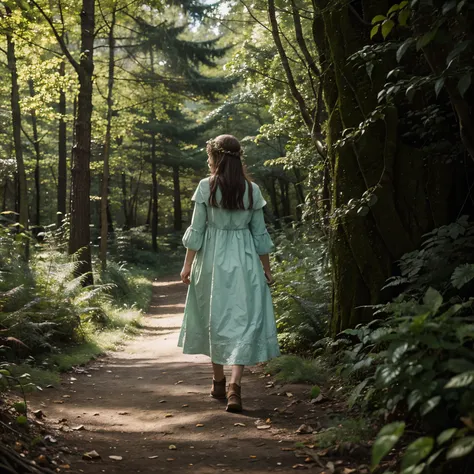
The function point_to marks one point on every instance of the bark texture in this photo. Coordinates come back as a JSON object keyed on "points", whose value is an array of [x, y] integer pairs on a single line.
{"points": [[79, 240]]}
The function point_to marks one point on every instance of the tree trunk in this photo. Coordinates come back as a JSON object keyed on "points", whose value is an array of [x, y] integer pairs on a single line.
{"points": [[79, 240], [178, 219], [154, 210], [366, 245], [62, 153], [126, 225], [104, 208], [150, 203], [16, 125], [274, 201], [36, 146]]}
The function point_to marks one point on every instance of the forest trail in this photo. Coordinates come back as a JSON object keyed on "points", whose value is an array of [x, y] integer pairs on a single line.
{"points": [[140, 401]]}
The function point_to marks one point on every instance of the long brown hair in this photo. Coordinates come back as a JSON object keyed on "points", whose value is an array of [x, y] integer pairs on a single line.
{"points": [[229, 173]]}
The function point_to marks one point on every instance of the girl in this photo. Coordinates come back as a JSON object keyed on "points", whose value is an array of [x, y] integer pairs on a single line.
{"points": [[229, 313]]}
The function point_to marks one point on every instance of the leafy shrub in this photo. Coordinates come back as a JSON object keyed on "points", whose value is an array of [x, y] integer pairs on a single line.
{"points": [[418, 362], [302, 289]]}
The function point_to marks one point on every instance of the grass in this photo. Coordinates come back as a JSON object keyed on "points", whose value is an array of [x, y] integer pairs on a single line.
{"points": [[349, 430], [295, 369]]}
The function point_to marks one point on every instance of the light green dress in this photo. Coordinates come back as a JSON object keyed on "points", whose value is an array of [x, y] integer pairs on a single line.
{"points": [[228, 314]]}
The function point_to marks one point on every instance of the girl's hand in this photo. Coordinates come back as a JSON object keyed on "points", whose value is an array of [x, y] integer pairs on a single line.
{"points": [[185, 274], [269, 277]]}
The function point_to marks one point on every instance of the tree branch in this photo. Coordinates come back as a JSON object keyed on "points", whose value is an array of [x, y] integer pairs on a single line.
{"points": [[286, 66], [59, 37]]}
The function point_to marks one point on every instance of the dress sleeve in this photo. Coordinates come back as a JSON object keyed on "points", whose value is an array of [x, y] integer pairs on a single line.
{"points": [[261, 237], [194, 235]]}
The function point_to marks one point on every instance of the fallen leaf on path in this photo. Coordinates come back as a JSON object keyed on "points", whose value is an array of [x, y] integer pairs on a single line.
{"points": [[38, 414], [162, 401], [79, 428], [330, 466], [263, 427], [124, 413], [96, 414], [58, 401], [347, 470], [300, 466], [288, 394], [65, 466], [139, 378], [170, 459], [178, 382], [240, 424], [199, 425], [50, 439], [184, 406], [268, 420], [66, 396], [253, 457], [304, 429], [287, 449], [116, 458], [152, 457], [172, 447], [168, 415], [91, 455]]}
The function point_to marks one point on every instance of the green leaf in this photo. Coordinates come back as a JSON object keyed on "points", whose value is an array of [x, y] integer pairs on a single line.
{"points": [[462, 275], [433, 299], [410, 93], [356, 393], [461, 448], [417, 451], [426, 39], [378, 19], [459, 366], [439, 85], [5, 372], [369, 67], [394, 8], [403, 16], [446, 435], [374, 31], [315, 391], [464, 83], [414, 398], [448, 6], [387, 27], [430, 405], [461, 380], [457, 50], [22, 420], [434, 456], [414, 469], [386, 440], [404, 48], [20, 407]]}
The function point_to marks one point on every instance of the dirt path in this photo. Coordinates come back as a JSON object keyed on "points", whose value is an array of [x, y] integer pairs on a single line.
{"points": [[139, 401]]}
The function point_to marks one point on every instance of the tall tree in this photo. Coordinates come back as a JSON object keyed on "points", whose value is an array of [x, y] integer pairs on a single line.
{"points": [[104, 206], [79, 235], [16, 121]]}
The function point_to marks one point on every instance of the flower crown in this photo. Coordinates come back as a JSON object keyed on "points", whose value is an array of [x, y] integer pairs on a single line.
{"points": [[216, 147]]}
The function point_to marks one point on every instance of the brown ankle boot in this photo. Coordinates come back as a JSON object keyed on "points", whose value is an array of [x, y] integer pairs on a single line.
{"points": [[234, 398], [218, 389]]}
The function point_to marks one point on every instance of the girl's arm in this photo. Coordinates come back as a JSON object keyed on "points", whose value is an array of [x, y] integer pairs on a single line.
{"points": [[188, 261]]}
